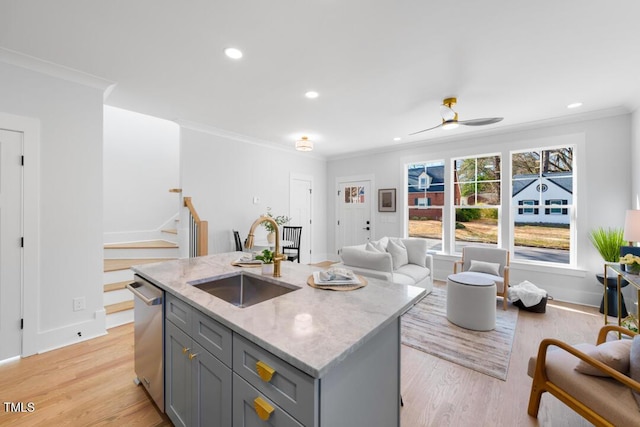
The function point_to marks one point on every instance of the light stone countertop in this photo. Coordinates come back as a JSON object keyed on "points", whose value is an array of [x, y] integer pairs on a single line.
{"points": [[312, 329]]}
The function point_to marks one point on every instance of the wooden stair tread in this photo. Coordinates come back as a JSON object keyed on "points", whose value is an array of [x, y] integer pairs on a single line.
{"points": [[152, 244], [115, 286], [121, 306], [125, 264], [170, 231]]}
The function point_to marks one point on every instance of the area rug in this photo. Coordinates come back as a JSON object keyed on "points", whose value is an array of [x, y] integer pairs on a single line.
{"points": [[425, 327]]}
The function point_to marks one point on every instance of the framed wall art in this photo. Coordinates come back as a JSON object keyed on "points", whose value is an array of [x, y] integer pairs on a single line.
{"points": [[387, 200]]}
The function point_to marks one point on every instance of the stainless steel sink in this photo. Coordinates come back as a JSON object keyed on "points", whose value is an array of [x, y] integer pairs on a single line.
{"points": [[243, 290]]}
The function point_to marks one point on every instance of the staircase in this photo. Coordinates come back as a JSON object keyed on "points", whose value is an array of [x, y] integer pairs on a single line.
{"points": [[118, 259]]}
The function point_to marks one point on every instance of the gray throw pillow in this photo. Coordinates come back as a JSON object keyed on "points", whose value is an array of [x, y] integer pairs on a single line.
{"points": [[485, 267], [614, 354], [634, 365]]}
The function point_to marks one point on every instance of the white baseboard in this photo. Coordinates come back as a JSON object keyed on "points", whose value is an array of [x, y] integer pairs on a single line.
{"points": [[67, 335]]}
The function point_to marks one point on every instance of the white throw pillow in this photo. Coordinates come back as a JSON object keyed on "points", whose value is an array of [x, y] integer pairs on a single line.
{"points": [[614, 354], [485, 267], [398, 251], [374, 247], [380, 245]]}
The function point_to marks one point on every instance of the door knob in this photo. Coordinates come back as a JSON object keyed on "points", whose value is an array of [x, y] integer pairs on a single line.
{"points": [[366, 228]]}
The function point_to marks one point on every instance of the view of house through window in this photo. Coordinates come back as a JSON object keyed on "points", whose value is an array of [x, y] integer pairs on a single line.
{"points": [[542, 197], [541, 203], [476, 200], [425, 202]]}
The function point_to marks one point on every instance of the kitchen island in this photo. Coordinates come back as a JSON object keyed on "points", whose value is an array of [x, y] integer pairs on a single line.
{"points": [[336, 354]]}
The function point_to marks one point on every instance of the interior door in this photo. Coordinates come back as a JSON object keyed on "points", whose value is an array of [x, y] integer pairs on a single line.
{"points": [[354, 213], [10, 244], [300, 213]]}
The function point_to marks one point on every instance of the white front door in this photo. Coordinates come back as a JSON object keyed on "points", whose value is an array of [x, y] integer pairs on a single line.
{"points": [[10, 244], [300, 213], [354, 213]]}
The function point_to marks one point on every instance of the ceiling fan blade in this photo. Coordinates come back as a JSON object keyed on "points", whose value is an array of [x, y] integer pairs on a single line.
{"points": [[447, 113], [480, 122], [424, 130]]}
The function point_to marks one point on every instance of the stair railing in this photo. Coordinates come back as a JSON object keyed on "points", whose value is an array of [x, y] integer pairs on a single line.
{"points": [[198, 232]]}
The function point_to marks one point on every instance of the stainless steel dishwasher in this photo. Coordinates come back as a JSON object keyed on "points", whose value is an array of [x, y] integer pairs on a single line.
{"points": [[148, 331]]}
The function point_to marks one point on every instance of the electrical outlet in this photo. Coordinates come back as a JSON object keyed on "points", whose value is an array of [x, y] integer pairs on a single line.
{"points": [[79, 304]]}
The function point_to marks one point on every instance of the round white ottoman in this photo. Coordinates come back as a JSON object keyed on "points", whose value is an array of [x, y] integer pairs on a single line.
{"points": [[471, 301]]}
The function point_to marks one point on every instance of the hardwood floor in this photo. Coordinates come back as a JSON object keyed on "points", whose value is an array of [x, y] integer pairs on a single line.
{"points": [[91, 383]]}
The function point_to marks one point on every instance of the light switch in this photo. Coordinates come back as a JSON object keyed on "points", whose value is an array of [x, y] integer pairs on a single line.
{"points": [[256, 200]]}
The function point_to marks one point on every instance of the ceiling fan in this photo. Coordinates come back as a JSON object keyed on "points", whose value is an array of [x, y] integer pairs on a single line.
{"points": [[450, 118]]}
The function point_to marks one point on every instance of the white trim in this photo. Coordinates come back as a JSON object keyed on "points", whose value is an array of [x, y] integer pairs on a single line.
{"points": [[52, 69], [31, 226], [211, 130], [303, 177]]}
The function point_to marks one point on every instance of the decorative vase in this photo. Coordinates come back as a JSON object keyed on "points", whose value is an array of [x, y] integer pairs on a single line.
{"points": [[267, 269], [271, 237]]}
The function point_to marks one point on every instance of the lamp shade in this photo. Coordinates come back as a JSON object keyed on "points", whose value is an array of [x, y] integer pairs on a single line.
{"points": [[304, 144], [632, 226]]}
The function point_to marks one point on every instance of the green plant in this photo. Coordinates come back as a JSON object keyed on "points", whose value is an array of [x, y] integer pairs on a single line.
{"points": [[467, 214], [279, 219], [607, 241], [266, 257]]}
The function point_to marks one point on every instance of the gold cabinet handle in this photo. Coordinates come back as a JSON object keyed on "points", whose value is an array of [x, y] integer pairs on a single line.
{"points": [[263, 409], [185, 349], [265, 371], [193, 356]]}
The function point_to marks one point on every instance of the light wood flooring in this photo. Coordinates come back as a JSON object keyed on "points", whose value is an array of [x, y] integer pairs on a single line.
{"points": [[91, 383]]}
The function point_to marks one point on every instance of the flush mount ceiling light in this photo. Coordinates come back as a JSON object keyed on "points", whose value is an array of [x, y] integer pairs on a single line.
{"points": [[575, 105], [312, 94], [303, 144], [233, 53]]}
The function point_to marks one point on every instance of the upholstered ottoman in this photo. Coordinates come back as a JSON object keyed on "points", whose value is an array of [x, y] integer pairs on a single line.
{"points": [[471, 301]]}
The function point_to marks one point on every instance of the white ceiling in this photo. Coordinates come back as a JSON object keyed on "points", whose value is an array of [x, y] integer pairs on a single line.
{"points": [[382, 68]]}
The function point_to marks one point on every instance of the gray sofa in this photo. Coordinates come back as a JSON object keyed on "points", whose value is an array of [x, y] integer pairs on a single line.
{"points": [[397, 260]]}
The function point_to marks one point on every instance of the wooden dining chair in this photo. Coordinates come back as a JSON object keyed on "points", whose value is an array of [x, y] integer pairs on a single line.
{"points": [[293, 235]]}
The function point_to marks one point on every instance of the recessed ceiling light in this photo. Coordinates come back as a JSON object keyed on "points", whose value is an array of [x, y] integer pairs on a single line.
{"points": [[397, 138], [575, 105], [233, 53], [312, 94]]}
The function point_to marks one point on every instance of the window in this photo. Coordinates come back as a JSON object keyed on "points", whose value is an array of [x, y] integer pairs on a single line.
{"points": [[556, 210], [542, 180], [527, 211], [425, 202], [476, 200]]}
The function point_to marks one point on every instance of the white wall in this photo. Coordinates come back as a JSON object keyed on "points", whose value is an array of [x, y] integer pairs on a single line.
{"points": [[603, 175], [67, 200], [635, 161], [141, 164], [223, 175]]}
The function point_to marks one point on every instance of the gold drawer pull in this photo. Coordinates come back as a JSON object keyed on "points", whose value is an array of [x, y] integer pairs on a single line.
{"points": [[185, 349], [193, 356], [265, 371], [263, 409]]}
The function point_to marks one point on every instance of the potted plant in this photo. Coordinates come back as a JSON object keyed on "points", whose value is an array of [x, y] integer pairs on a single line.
{"points": [[279, 219], [608, 242], [266, 257]]}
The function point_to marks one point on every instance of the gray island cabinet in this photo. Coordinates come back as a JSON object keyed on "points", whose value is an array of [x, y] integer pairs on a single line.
{"points": [[310, 357]]}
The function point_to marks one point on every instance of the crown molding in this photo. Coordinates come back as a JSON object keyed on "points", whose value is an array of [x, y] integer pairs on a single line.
{"points": [[52, 69], [480, 133], [211, 130]]}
